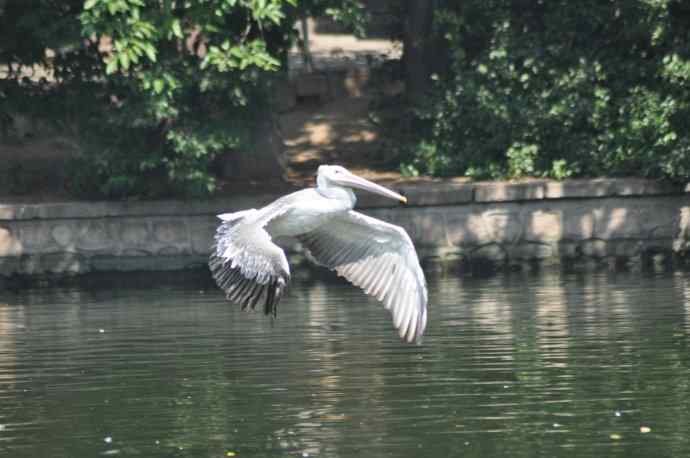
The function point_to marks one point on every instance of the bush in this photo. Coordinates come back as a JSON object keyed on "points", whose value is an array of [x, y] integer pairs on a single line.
{"points": [[152, 91], [559, 89]]}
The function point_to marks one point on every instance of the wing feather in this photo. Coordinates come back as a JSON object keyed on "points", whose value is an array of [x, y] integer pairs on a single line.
{"points": [[379, 258], [412, 324], [406, 312], [245, 262]]}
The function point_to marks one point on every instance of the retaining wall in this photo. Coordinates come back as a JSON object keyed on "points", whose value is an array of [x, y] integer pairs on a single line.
{"points": [[605, 221]]}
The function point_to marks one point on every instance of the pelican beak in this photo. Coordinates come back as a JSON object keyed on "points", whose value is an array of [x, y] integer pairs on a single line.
{"points": [[353, 181]]}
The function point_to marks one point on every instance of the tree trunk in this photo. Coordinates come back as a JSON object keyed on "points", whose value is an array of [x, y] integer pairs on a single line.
{"points": [[416, 48], [264, 161]]}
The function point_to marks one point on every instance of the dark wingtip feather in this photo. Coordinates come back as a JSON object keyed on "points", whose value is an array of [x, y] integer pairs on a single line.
{"points": [[276, 290], [246, 291]]}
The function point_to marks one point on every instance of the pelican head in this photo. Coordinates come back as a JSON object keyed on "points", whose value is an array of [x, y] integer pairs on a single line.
{"points": [[329, 176]]}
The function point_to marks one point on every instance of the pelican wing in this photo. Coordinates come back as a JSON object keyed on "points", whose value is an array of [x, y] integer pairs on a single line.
{"points": [[245, 262], [379, 258]]}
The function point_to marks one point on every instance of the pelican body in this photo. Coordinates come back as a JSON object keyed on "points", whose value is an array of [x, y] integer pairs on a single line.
{"points": [[376, 256]]}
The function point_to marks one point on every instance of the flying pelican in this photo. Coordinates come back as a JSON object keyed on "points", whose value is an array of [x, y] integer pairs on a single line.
{"points": [[376, 256]]}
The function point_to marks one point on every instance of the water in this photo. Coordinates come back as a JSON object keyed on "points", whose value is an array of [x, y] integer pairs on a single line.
{"points": [[518, 365]]}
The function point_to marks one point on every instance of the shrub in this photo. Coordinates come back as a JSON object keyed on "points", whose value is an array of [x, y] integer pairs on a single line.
{"points": [[151, 90], [559, 89]]}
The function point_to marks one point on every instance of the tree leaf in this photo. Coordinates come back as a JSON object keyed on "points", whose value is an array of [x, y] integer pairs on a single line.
{"points": [[111, 67], [124, 59], [150, 51], [176, 28]]}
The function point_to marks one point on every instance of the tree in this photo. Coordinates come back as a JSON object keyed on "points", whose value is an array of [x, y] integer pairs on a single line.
{"points": [[558, 89], [417, 48], [154, 89]]}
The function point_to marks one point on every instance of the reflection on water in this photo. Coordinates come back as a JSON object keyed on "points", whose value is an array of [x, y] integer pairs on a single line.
{"points": [[516, 365]]}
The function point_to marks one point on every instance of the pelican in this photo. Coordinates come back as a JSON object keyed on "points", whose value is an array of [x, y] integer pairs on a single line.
{"points": [[376, 256]]}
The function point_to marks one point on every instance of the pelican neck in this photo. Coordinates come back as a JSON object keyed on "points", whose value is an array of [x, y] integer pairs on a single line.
{"points": [[337, 193]]}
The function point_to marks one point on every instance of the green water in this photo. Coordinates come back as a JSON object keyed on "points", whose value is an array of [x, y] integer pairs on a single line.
{"points": [[514, 366]]}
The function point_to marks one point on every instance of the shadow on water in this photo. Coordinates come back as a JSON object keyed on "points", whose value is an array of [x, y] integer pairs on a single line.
{"points": [[512, 365]]}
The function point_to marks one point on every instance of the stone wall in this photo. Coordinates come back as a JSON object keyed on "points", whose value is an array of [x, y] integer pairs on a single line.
{"points": [[618, 222]]}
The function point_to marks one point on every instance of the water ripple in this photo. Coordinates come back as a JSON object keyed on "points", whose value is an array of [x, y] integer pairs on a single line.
{"points": [[516, 365]]}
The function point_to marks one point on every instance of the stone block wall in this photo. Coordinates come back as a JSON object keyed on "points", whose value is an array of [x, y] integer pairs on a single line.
{"points": [[617, 222]]}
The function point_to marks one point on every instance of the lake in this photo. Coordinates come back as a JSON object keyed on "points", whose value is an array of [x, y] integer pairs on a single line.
{"points": [[519, 365]]}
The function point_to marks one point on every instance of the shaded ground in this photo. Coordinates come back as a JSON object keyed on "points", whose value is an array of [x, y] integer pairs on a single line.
{"points": [[336, 132], [33, 169]]}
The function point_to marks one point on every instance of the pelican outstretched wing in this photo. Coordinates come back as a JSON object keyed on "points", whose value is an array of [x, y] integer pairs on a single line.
{"points": [[378, 257], [245, 262]]}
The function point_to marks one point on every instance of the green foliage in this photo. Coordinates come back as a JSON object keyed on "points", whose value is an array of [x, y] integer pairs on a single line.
{"points": [[153, 90], [559, 89], [350, 13]]}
